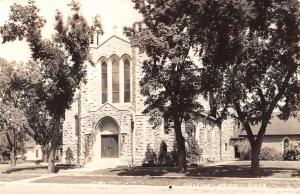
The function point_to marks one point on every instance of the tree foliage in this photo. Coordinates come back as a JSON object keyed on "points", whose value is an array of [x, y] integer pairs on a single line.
{"points": [[17, 91], [62, 58], [249, 51]]}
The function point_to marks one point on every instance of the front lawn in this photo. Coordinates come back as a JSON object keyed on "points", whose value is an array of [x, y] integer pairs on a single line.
{"points": [[275, 169], [30, 168], [15, 177], [172, 181]]}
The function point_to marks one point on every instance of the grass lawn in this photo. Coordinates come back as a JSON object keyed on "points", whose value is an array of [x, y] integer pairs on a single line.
{"points": [[166, 181], [29, 168], [8, 178], [235, 173], [275, 169]]}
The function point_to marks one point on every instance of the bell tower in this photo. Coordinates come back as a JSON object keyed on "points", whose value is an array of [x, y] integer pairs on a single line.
{"points": [[97, 30]]}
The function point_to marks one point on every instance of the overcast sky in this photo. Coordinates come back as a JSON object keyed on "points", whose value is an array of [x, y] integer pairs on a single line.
{"points": [[112, 12]]}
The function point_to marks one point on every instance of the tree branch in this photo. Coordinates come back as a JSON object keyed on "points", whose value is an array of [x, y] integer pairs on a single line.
{"points": [[9, 140], [281, 91], [245, 123], [262, 98]]}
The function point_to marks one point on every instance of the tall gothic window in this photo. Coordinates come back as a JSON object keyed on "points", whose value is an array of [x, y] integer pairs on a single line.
{"points": [[104, 82], [126, 81], [115, 81]]}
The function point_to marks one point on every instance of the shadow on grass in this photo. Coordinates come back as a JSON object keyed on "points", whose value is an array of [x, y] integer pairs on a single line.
{"points": [[20, 169], [296, 173], [33, 169], [240, 171], [144, 171]]}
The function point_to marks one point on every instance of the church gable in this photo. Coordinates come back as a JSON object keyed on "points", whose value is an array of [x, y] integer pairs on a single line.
{"points": [[112, 46]]}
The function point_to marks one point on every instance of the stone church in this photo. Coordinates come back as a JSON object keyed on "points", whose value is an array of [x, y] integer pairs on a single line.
{"points": [[106, 122]]}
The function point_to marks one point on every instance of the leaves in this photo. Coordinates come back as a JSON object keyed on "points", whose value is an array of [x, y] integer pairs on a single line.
{"points": [[170, 81], [62, 59]]}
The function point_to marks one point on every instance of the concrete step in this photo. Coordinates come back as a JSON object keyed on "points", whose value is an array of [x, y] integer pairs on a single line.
{"points": [[103, 163]]}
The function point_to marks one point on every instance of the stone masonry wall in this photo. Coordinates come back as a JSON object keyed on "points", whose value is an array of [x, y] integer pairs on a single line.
{"points": [[70, 137]]}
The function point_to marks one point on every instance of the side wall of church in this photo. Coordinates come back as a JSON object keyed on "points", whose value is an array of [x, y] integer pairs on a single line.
{"points": [[70, 135]]}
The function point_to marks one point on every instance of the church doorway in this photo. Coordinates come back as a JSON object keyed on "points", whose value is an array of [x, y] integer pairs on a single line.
{"points": [[109, 146], [109, 138]]}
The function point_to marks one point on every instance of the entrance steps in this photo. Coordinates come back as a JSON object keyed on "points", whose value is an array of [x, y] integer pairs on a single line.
{"points": [[103, 163], [96, 164]]}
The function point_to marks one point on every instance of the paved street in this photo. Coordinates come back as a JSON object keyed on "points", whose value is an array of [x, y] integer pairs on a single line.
{"points": [[32, 188]]}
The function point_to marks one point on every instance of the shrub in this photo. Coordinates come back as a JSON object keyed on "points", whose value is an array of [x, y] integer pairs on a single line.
{"points": [[163, 154], [269, 153], [292, 153], [69, 156], [150, 157], [244, 149], [193, 151]]}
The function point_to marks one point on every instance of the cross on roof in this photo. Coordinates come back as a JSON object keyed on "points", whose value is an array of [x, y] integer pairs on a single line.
{"points": [[115, 27]]}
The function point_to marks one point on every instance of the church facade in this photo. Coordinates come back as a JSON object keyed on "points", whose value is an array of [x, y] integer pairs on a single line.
{"points": [[106, 119]]}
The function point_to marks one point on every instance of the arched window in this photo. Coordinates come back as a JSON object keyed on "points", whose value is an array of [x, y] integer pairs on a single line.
{"points": [[104, 82], [115, 81], [126, 81]]}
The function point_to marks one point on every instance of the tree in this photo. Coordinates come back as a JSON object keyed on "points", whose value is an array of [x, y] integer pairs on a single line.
{"points": [[20, 103], [62, 58], [254, 58], [169, 80], [250, 56], [40, 123], [13, 120], [16, 88]]}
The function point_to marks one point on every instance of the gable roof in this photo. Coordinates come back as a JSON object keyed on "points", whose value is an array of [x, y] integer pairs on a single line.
{"points": [[107, 40], [278, 127]]}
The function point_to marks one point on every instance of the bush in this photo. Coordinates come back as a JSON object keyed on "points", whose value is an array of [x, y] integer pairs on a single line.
{"points": [[268, 153], [165, 158], [292, 153], [163, 154], [150, 157], [69, 156], [244, 149], [193, 152]]}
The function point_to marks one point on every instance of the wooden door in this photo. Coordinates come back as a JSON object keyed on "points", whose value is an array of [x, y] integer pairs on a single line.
{"points": [[109, 146]]}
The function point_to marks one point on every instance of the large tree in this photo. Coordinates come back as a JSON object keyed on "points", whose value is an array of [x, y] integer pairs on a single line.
{"points": [[170, 82], [250, 56], [17, 85], [62, 58]]}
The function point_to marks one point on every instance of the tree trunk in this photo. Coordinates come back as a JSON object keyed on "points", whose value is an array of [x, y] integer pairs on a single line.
{"points": [[54, 141], [181, 147], [13, 153], [255, 152], [13, 160]]}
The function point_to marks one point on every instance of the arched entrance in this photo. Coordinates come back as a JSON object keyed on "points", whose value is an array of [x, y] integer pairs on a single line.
{"points": [[109, 131]]}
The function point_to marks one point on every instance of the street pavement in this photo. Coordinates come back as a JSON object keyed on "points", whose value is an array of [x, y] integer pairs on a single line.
{"points": [[37, 188]]}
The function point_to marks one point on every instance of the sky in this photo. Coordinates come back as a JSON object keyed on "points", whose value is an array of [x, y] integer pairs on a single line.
{"points": [[118, 13]]}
